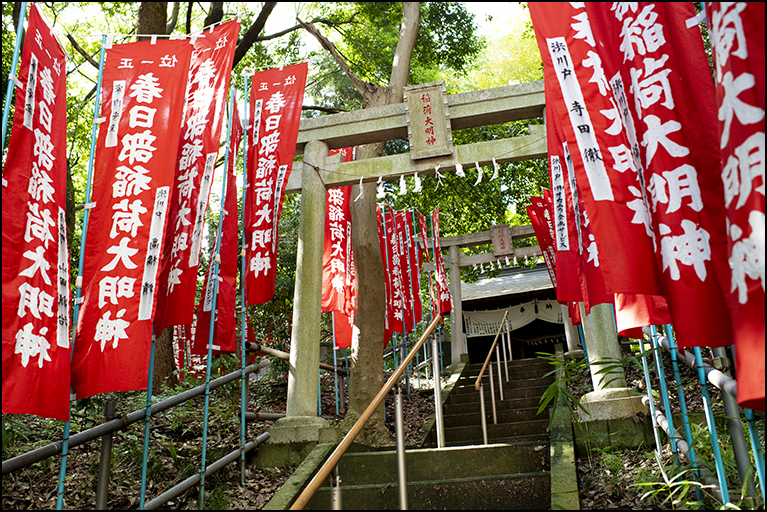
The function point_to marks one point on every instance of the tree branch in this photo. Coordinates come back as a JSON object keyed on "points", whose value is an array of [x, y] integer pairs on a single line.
{"points": [[215, 14], [364, 88], [173, 19], [411, 14], [250, 37], [296, 27], [82, 52], [327, 110], [189, 18]]}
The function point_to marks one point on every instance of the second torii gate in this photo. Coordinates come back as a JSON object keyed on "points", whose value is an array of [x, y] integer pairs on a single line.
{"points": [[318, 172]]}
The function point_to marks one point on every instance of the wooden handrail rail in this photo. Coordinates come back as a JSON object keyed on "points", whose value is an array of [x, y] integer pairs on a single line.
{"points": [[490, 352], [332, 461]]}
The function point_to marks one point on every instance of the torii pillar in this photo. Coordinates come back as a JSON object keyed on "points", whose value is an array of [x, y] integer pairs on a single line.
{"points": [[611, 398], [301, 422]]}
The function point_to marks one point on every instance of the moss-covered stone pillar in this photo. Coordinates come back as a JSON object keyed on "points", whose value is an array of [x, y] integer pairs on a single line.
{"points": [[611, 398], [301, 422]]}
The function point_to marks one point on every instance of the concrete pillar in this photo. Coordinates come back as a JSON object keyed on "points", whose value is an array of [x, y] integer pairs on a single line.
{"points": [[301, 422], [456, 316], [611, 397], [571, 332]]}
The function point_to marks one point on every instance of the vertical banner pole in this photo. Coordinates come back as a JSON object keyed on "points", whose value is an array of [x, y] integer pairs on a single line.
{"points": [[682, 406], [9, 95], [79, 280], [147, 418], [412, 301], [243, 328], [335, 360], [711, 428], [211, 335], [664, 392], [439, 328]]}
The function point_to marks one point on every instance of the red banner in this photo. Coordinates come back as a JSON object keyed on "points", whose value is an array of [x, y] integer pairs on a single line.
{"points": [[416, 263], [343, 330], [634, 311], [582, 99], [386, 255], [737, 37], [566, 226], [409, 265], [275, 104], [36, 348], [645, 57], [444, 301], [209, 74], [425, 249], [143, 98], [396, 273], [226, 298], [657, 56], [337, 248], [540, 216]]}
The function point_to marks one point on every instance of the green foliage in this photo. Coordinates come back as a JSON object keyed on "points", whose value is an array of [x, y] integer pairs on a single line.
{"points": [[557, 393]]}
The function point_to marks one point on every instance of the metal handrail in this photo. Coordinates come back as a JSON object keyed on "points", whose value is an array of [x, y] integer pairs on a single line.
{"points": [[490, 353], [478, 384], [332, 461]]}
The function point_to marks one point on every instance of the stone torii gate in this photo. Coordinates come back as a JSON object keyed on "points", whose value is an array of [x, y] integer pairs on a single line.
{"points": [[319, 172]]}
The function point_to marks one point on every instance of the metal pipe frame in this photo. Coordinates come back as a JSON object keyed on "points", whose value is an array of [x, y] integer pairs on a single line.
{"points": [[664, 393], [492, 394], [102, 488], [482, 412], [655, 426], [332, 461], [190, 482], [29, 458], [400, 428], [439, 420], [498, 364]]}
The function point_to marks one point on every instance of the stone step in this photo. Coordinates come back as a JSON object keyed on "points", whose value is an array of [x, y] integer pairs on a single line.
{"points": [[501, 405], [538, 439], [503, 416], [472, 434], [425, 464], [468, 386], [527, 491], [531, 391]]}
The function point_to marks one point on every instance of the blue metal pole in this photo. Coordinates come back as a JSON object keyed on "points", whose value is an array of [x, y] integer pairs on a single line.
{"points": [[664, 392], [756, 446], [683, 407], [439, 329], [79, 280], [651, 401], [214, 276], [147, 418], [243, 323], [335, 360], [9, 96], [583, 343], [711, 427]]}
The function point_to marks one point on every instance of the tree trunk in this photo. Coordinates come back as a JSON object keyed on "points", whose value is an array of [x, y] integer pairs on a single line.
{"points": [[152, 19], [366, 378]]}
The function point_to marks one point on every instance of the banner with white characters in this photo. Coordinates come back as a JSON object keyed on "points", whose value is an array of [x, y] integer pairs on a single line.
{"points": [[275, 113], [204, 113], [36, 304], [142, 100], [737, 38]]}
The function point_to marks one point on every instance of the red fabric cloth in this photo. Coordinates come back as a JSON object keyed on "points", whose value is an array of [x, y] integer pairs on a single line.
{"points": [[444, 301], [343, 329], [143, 99], [634, 311], [206, 100], [36, 347], [658, 57], [410, 284], [226, 298], [275, 103], [737, 38], [336, 256], [540, 216], [566, 228], [582, 99]]}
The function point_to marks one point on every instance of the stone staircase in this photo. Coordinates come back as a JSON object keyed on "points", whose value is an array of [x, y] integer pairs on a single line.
{"points": [[510, 473]]}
